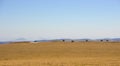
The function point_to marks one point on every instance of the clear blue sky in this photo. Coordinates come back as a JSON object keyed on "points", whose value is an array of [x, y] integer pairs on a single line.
{"points": [[49, 19]]}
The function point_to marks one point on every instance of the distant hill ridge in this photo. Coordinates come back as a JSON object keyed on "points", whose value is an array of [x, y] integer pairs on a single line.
{"points": [[24, 40]]}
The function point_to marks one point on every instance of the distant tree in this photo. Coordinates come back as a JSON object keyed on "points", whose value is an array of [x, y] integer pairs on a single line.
{"points": [[101, 40], [35, 41], [86, 40], [72, 41], [63, 40], [107, 40]]}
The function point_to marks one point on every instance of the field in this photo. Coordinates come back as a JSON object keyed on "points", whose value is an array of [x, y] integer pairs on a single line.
{"points": [[60, 54]]}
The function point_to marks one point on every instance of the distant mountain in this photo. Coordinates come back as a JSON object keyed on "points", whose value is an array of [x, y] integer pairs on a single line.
{"points": [[52, 40], [4, 42], [67, 40], [84, 39], [41, 40], [110, 39], [1, 42], [115, 39], [20, 39]]}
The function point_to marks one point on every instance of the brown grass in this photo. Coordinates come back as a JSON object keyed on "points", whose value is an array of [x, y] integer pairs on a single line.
{"points": [[60, 54]]}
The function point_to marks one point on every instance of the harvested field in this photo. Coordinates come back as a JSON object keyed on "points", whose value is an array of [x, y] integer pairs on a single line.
{"points": [[60, 54]]}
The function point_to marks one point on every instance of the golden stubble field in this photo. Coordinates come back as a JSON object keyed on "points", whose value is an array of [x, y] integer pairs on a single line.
{"points": [[60, 54]]}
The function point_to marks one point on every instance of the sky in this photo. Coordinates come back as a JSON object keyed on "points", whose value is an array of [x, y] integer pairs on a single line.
{"points": [[54, 19]]}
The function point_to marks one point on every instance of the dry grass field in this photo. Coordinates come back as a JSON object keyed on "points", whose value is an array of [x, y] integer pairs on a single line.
{"points": [[60, 54]]}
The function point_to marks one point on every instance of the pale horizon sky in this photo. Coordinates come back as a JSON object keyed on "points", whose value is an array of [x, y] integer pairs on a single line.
{"points": [[54, 19]]}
